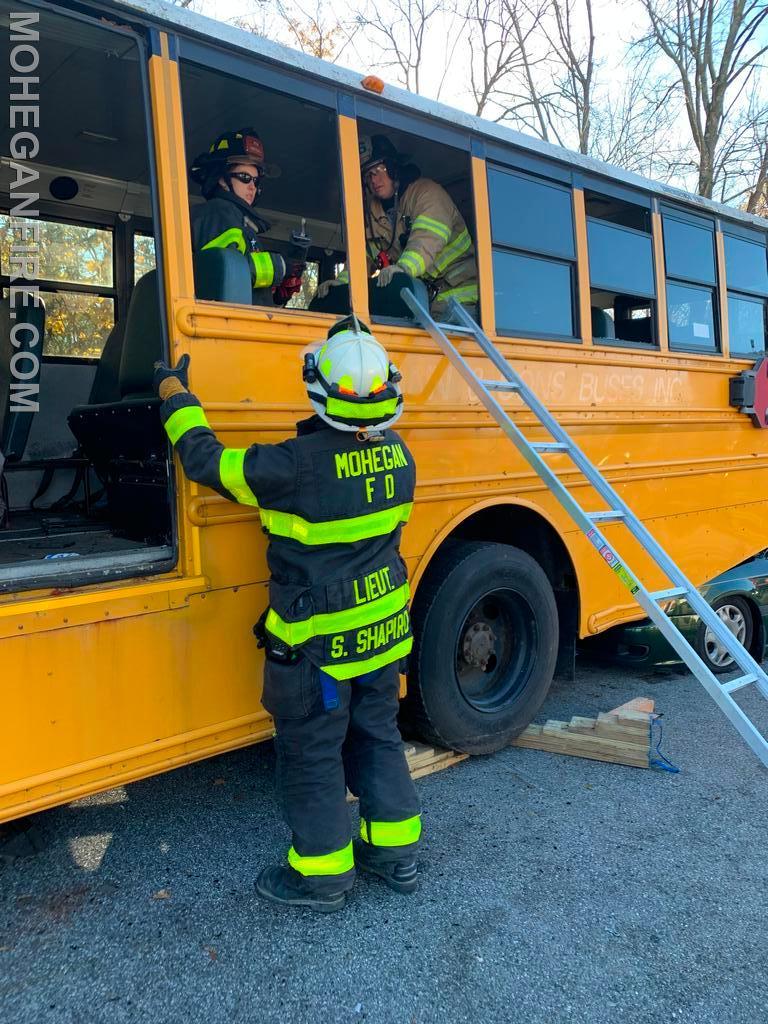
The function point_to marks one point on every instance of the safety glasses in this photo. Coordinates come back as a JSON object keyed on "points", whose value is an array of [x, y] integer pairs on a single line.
{"points": [[244, 177]]}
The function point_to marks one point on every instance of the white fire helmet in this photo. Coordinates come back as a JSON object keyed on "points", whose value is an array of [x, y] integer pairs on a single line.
{"points": [[350, 381]]}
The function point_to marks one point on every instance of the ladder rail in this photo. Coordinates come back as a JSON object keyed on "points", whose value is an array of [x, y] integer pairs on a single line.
{"points": [[648, 602], [608, 493]]}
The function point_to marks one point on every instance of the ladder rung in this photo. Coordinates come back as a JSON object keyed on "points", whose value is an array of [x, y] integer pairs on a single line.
{"points": [[500, 385], [456, 329], [736, 684], [550, 446], [612, 515], [664, 595]]}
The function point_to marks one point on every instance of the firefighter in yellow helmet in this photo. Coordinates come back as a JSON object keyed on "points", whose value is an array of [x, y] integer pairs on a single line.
{"points": [[230, 177], [332, 501], [412, 226]]}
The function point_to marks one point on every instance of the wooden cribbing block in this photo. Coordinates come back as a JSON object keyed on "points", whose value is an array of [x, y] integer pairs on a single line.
{"points": [[424, 760], [622, 736]]}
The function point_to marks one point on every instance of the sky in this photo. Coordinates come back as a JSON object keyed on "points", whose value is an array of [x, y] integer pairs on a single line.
{"points": [[615, 21]]}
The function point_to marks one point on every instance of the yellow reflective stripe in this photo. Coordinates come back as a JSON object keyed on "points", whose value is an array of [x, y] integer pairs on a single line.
{"points": [[391, 833], [452, 252], [424, 223], [232, 475], [179, 422], [265, 271], [295, 633], [337, 531], [464, 293], [232, 236], [413, 262], [357, 411], [336, 863], [360, 668]]}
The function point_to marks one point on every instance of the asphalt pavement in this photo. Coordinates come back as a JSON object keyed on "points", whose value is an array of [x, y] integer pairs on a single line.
{"points": [[553, 890]]}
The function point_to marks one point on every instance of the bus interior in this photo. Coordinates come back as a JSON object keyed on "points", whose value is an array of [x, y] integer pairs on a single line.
{"points": [[87, 492]]}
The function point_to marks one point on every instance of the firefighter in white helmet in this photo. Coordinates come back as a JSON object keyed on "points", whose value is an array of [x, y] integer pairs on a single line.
{"points": [[332, 501]]}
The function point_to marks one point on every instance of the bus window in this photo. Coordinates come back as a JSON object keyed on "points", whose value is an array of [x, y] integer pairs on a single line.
{"points": [[534, 255], [300, 187], [622, 285], [417, 198], [746, 272], [143, 255], [87, 498], [689, 255]]}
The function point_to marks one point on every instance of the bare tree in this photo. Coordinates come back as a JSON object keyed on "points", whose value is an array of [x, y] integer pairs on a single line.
{"points": [[534, 66], [312, 28], [631, 129], [714, 50], [398, 35], [572, 61]]}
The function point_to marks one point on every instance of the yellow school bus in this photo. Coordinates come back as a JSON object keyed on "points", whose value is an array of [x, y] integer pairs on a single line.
{"points": [[128, 594]]}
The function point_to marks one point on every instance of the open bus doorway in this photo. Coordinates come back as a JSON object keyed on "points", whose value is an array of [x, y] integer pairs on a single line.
{"points": [[85, 475]]}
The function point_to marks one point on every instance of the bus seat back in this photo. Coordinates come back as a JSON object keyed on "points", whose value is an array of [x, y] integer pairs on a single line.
{"points": [[602, 324], [143, 342], [106, 382], [15, 424], [222, 275]]}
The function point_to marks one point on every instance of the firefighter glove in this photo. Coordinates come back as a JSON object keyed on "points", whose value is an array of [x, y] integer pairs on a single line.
{"points": [[387, 273], [325, 286], [169, 381]]}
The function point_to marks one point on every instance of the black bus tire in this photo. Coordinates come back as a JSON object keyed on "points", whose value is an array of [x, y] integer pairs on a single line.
{"points": [[485, 645]]}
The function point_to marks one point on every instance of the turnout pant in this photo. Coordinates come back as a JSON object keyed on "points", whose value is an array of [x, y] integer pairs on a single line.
{"points": [[321, 752]]}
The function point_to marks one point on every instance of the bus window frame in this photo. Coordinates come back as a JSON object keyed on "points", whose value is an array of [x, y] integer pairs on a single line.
{"points": [[565, 186], [716, 288], [644, 201], [744, 234], [122, 234], [257, 71], [101, 577]]}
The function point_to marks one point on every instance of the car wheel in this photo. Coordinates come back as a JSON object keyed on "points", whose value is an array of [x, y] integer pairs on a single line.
{"points": [[486, 638], [737, 616]]}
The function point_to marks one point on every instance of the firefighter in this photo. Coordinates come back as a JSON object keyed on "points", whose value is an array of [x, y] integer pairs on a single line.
{"points": [[413, 226], [332, 501], [230, 178]]}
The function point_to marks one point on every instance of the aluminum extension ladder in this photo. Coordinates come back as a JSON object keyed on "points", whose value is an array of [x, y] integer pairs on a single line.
{"points": [[589, 522]]}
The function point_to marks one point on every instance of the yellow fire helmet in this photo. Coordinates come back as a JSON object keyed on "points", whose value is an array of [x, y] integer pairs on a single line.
{"points": [[350, 381]]}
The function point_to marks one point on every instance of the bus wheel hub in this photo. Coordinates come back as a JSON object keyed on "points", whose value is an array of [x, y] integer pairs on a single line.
{"points": [[478, 646]]}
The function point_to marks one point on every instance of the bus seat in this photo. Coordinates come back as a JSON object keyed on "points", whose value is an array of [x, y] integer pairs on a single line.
{"points": [[602, 324], [222, 275], [124, 439], [15, 424], [629, 328]]}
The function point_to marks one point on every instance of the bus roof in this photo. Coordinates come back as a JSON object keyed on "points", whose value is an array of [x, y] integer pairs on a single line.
{"points": [[186, 22]]}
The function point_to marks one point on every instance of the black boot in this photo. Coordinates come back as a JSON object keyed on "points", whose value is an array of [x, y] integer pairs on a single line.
{"points": [[281, 884], [400, 875]]}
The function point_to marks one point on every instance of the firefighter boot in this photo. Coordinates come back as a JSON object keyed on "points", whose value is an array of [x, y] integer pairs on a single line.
{"points": [[400, 875], [281, 884]]}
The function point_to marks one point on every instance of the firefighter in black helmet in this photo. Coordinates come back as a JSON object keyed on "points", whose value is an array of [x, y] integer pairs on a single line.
{"points": [[230, 178], [332, 501]]}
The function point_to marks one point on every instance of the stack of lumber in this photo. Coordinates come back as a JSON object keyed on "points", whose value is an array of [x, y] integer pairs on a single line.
{"points": [[423, 760], [622, 736]]}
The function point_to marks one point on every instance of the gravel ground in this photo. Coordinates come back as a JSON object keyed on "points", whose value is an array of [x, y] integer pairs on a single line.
{"points": [[554, 889]]}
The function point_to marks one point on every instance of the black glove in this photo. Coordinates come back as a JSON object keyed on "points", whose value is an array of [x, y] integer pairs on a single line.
{"points": [[164, 372]]}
